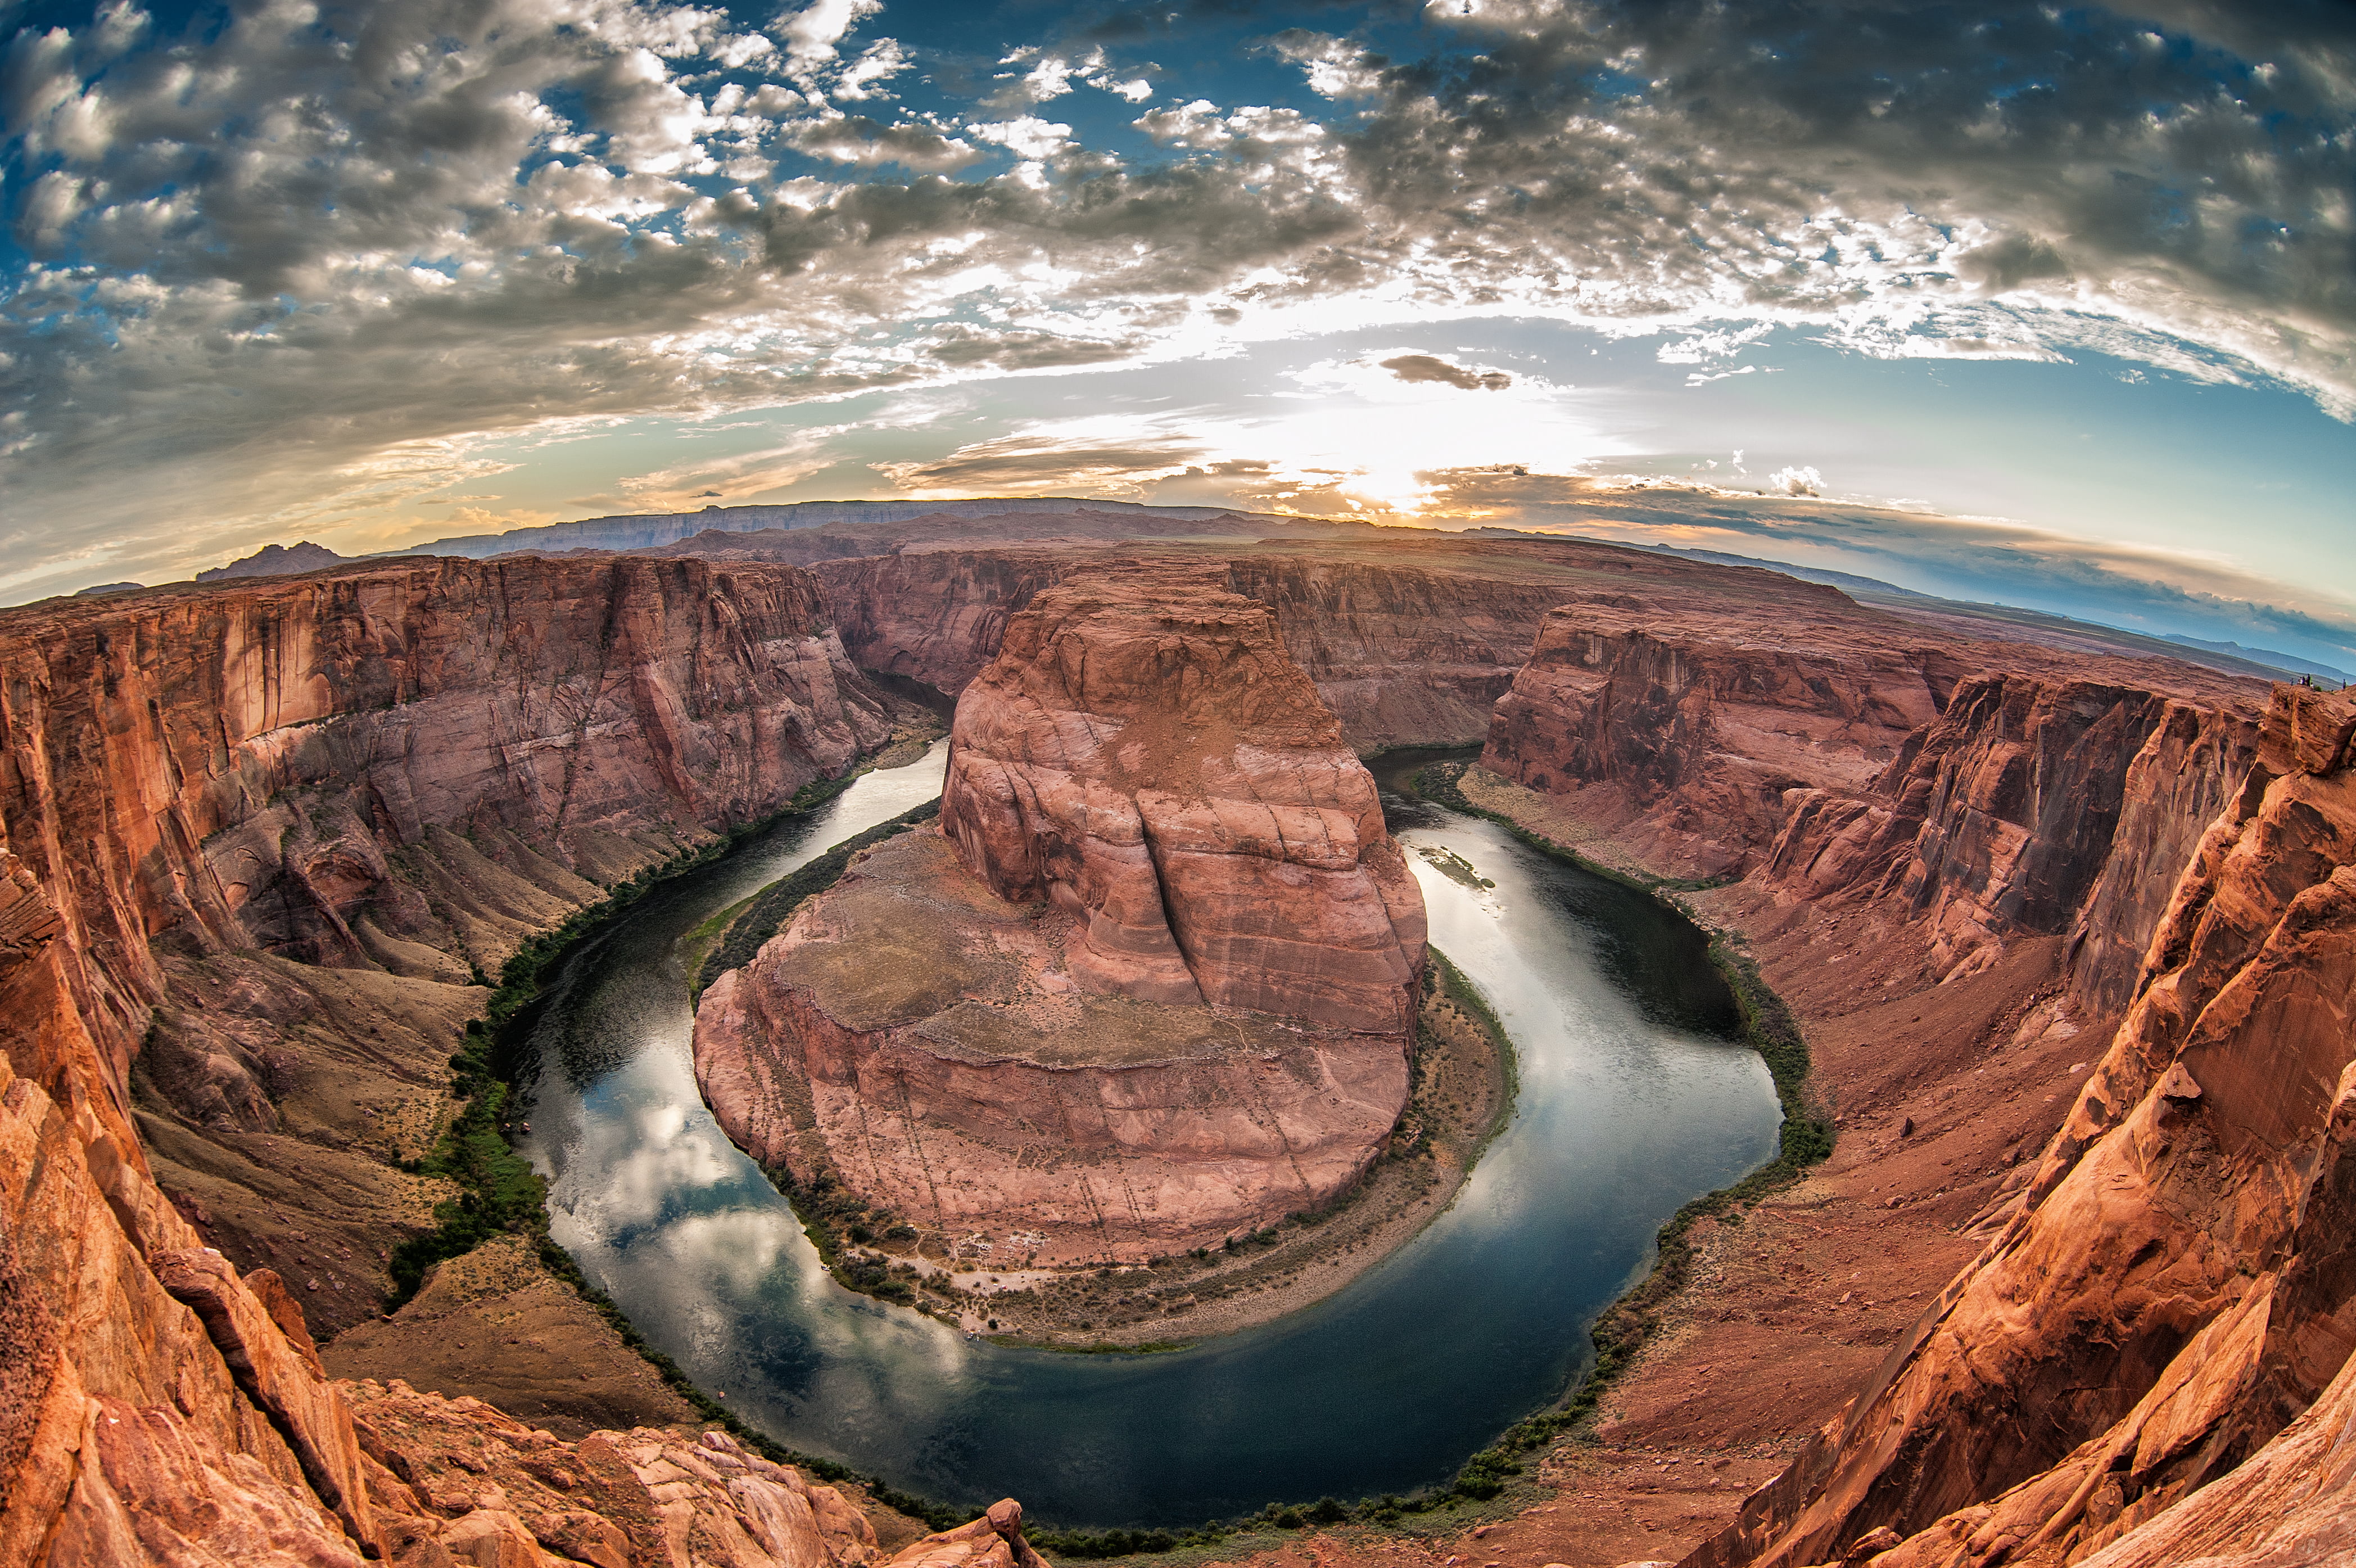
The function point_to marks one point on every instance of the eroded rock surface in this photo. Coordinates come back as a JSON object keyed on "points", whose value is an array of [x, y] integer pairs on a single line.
{"points": [[1149, 985], [2175, 1284], [261, 839]]}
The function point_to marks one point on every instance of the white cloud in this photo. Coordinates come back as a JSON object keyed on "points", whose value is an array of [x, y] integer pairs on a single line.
{"points": [[537, 213], [813, 33], [1795, 481]]}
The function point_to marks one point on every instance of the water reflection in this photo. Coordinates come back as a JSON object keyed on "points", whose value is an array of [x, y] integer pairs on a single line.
{"points": [[1632, 1101]]}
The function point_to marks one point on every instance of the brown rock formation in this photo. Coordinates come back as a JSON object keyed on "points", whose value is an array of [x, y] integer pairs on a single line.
{"points": [[1408, 651], [1151, 988], [257, 838], [229, 822], [2028, 806], [1832, 752], [2176, 1287], [1143, 754]]}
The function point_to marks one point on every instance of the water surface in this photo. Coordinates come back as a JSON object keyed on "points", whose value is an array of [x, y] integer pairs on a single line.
{"points": [[1634, 1099]]}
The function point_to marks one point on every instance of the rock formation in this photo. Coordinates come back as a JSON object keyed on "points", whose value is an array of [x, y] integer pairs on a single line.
{"points": [[2028, 806], [1149, 985], [259, 837], [1406, 651], [276, 560], [2176, 1287], [237, 915], [1835, 752]]}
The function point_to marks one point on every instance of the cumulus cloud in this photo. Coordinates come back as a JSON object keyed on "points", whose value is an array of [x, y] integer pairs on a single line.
{"points": [[267, 248], [1431, 368], [1793, 481]]}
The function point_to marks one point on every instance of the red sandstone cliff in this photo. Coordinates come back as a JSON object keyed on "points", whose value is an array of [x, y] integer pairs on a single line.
{"points": [[250, 840], [1831, 752], [2176, 1285], [1144, 754], [258, 837], [1410, 644], [1149, 985]]}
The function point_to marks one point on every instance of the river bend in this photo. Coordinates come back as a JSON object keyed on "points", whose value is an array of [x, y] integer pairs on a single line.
{"points": [[1633, 1097]]}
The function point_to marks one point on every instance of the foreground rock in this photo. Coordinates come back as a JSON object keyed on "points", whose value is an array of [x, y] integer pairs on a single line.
{"points": [[1149, 985]]}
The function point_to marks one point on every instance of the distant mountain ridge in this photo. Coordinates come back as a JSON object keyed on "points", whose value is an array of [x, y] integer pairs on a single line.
{"points": [[276, 560], [653, 530], [2273, 656]]}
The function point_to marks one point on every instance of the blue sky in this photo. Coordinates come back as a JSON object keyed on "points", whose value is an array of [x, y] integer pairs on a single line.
{"points": [[2043, 305]]}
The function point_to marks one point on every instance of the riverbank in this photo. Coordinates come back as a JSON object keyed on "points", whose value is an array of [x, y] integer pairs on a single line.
{"points": [[1941, 1096]]}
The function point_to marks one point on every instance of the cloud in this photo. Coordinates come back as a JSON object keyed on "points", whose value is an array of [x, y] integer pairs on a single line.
{"points": [[1429, 367], [1793, 481], [270, 246], [855, 139], [813, 33], [1045, 464]]}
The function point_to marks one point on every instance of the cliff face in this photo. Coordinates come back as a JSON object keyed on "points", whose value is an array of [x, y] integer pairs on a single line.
{"points": [[2036, 806], [2177, 1283], [935, 615], [261, 837], [1148, 986], [1406, 655], [1689, 729], [1828, 751], [254, 837], [1143, 754]]}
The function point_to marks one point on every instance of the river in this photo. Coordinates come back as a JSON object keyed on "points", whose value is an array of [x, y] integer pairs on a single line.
{"points": [[1633, 1097]]}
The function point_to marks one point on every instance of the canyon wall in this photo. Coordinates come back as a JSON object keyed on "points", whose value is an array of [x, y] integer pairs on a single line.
{"points": [[1826, 750], [1150, 984], [261, 838], [252, 841], [1407, 653], [2176, 1284]]}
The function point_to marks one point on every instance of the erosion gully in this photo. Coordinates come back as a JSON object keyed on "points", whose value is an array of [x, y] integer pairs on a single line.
{"points": [[1634, 1095]]}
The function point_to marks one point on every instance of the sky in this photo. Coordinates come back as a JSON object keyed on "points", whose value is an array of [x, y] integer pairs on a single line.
{"points": [[2052, 305]]}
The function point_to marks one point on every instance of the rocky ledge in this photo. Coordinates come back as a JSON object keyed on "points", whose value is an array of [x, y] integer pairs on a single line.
{"points": [[1152, 983]]}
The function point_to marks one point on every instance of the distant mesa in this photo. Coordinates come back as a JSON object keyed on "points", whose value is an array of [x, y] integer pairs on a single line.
{"points": [[276, 560], [655, 530], [108, 588]]}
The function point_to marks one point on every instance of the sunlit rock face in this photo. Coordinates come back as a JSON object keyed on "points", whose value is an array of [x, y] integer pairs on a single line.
{"points": [[1149, 985], [2175, 1287], [1143, 755]]}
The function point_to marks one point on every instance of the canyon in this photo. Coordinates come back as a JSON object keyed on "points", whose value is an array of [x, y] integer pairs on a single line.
{"points": [[1145, 989], [2069, 933]]}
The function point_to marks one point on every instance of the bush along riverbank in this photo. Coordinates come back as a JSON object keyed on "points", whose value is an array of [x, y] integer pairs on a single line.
{"points": [[498, 1192]]}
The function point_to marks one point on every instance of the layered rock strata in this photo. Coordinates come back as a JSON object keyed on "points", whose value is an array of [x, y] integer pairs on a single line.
{"points": [[1149, 985], [1829, 751], [252, 840], [1410, 644], [2174, 1287], [259, 838]]}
